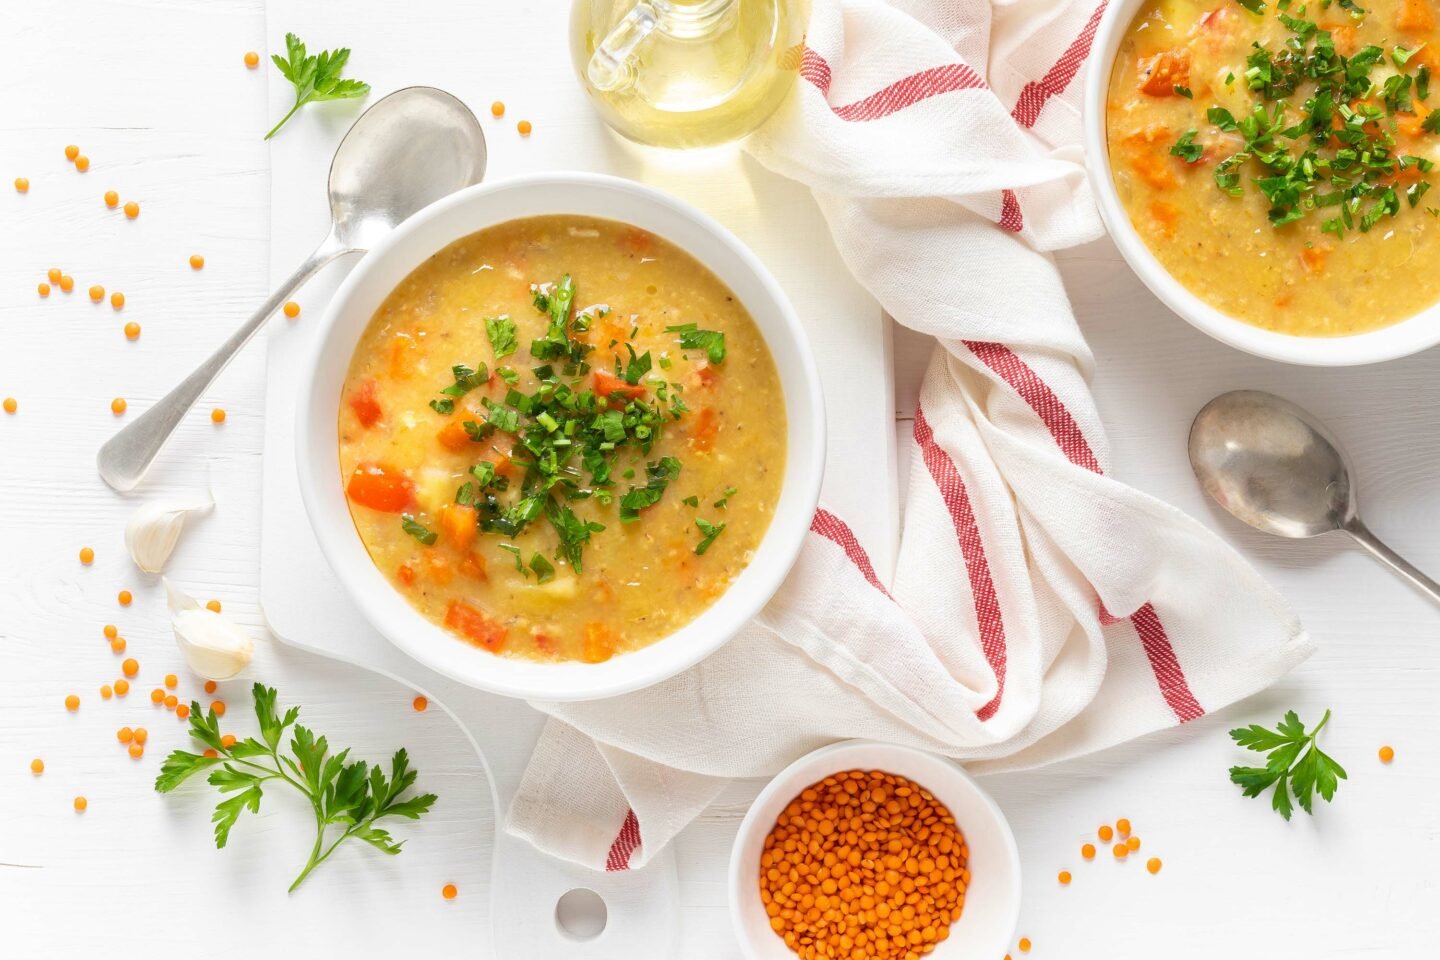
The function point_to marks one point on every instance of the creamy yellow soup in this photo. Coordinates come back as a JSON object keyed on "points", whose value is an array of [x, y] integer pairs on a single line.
{"points": [[562, 438], [1276, 224]]}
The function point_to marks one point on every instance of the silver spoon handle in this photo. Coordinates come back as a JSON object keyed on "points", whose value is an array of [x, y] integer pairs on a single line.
{"points": [[1391, 559], [126, 456]]}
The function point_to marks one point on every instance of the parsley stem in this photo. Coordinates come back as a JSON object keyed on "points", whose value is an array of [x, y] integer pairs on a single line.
{"points": [[276, 129], [1319, 726]]}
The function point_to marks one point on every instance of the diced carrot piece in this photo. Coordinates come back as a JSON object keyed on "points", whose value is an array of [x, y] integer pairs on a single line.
{"points": [[635, 240], [707, 425], [1166, 216], [1345, 38], [1410, 125], [705, 375], [1416, 16], [439, 567], [379, 487], [474, 624], [609, 385], [405, 573], [1160, 74], [402, 356], [598, 643], [363, 402], [457, 523], [474, 567], [452, 436], [1313, 258], [1154, 170], [544, 644]]}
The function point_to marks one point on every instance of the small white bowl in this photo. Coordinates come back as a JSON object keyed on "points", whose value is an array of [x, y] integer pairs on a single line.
{"points": [[1419, 332], [992, 901], [377, 274]]}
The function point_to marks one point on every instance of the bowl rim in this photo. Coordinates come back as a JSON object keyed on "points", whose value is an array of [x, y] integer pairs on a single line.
{"points": [[570, 680], [790, 781], [1400, 339]]}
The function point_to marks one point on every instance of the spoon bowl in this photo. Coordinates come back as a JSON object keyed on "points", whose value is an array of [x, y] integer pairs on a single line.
{"points": [[406, 151], [1275, 467]]}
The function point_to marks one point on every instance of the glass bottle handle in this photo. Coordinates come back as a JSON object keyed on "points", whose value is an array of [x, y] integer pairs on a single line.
{"points": [[610, 67]]}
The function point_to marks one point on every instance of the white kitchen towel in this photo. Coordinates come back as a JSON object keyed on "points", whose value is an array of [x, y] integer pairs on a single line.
{"points": [[1039, 609]]}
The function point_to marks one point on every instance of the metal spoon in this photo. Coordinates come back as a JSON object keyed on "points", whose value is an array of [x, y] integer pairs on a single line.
{"points": [[1276, 468], [405, 152]]}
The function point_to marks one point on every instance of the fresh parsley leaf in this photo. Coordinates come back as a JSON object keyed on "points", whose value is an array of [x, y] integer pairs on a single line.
{"points": [[513, 550], [347, 797], [1223, 119], [544, 569], [502, 334], [1183, 92], [1256, 7], [711, 531], [659, 474], [417, 530], [693, 338], [1294, 764], [1431, 123], [315, 78], [1187, 149]]}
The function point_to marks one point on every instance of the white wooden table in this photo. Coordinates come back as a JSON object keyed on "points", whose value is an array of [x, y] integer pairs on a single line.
{"points": [[138, 872]]}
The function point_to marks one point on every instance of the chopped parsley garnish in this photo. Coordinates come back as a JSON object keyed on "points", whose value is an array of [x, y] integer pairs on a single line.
{"points": [[1184, 92], [465, 381], [1187, 149], [691, 501], [417, 529], [544, 569], [659, 474], [501, 331], [710, 530], [693, 338]]}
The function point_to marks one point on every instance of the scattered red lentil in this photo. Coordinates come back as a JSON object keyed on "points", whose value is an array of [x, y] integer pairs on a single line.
{"points": [[227, 741], [141, 735], [210, 686], [212, 753], [1024, 944], [1387, 753], [111, 631], [10, 405], [97, 293], [122, 687], [197, 262], [1122, 827], [117, 645], [105, 691], [132, 209], [117, 406], [171, 702], [67, 283], [863, 859], [112, 199], [130, 667], [124, 734], [212, 605], [37, 766], [80, 804], [217, 415], [157, 696], [1121, 851], [43, 289], [87, 556], [1064, 878], [54, 274], [117, 300], [132, 331], [524, 127], [72, 703], [420, 703], [182, 711], [171, 680], [448, 891], [124, 596], [292, 309], [1105, 833], [1088, 851], [1153, 864], [71, 152], [219, 707], [22, 185], [1133, 843], [82, 163], [136, 751], [252, 59]]}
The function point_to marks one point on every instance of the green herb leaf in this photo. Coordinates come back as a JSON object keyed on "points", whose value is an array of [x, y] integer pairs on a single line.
{"points": [[502, 334], [315, 78], [1183, 92], [1294, 764], [1187, 149], [693, 338], [711, 531], [417, 530], [544, 569]]}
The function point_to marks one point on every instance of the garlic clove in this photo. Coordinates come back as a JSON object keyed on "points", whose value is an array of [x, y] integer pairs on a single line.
{"points": [[215, 647], [154, 529]]}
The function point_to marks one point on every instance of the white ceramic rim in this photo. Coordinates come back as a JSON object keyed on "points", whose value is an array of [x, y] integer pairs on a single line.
{"points": [[459, 215], [982, 821], [1401, 339]]}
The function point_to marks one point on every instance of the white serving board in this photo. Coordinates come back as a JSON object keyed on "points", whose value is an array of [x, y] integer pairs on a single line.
{"points": [[523, 60]]}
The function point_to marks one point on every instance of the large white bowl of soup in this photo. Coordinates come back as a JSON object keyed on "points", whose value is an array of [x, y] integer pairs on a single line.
{"points": [[1266, 168], [563, 438]]}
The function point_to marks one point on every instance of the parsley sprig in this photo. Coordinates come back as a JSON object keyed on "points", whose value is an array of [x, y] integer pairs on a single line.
{"points": [[1294, 764], [350, 797], [315, 78]]}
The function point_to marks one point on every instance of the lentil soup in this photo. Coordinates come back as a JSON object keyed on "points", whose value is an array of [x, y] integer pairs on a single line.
{"points": [[562, 438], [1275, 157]]}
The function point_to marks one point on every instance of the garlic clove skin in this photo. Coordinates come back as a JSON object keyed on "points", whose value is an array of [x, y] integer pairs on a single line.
{"points": [[215, 647], [154, 529]]}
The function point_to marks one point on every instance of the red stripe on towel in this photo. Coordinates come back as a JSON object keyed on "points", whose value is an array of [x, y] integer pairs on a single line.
{"points": [[905, 92], [1034, 95], [1062, 426], [625, 843], [837, 531], [972, 549], [1010, 216]]}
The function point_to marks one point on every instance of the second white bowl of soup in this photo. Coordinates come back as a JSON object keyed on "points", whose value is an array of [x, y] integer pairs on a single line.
{"points": [[564, 436], [1266, 169]]}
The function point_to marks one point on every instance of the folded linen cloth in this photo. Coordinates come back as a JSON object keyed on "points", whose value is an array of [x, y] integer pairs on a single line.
{"points": [[1039, 609]]}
